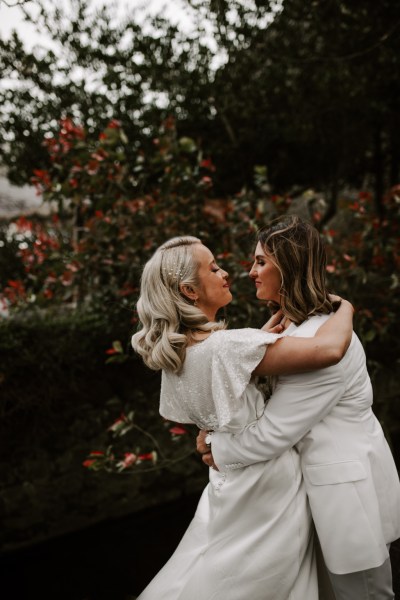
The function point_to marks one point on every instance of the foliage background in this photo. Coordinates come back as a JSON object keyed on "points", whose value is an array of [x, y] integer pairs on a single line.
{"points": [[136, 133]]}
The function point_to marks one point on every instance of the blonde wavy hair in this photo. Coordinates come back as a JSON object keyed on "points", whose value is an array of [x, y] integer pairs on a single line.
{"points": [[168, 318], [297, 250]]}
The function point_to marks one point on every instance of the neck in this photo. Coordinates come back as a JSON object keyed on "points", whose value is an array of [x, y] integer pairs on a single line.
{"points": [[209, 315]]}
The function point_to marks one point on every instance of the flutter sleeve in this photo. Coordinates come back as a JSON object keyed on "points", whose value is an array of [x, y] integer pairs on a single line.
{"points": [[236, 353], [174, 398]]}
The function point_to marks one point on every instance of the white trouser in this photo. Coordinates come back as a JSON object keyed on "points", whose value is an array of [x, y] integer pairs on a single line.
{"points": [[372, 584]]}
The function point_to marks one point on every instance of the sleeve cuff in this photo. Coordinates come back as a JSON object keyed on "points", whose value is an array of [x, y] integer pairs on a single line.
{"points": [[219, 439]]}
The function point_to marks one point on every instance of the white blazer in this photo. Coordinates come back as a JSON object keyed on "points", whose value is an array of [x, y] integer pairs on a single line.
{"points": [[349, 472]]}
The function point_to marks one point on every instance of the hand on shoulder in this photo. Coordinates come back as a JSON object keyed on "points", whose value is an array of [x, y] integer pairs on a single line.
{"points": [[274, 324]]}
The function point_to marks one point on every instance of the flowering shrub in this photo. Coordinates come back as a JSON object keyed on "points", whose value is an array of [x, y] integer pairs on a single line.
{"points": [[364, 263], [112, 212], [117, 459]]}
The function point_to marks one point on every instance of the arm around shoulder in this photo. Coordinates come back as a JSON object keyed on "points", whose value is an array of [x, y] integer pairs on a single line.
{"points": [[298, 355]]}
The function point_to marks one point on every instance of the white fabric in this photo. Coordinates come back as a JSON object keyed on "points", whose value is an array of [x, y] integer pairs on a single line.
{"points": [[349, 472], [251, 537], [209, 390], [372, 584]]}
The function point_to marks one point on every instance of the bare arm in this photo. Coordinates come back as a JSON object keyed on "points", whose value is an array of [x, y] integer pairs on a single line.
{"points": [[298, 355]]}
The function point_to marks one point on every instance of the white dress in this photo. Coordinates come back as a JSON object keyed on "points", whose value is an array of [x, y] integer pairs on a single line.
{"points": [[251, 537]]}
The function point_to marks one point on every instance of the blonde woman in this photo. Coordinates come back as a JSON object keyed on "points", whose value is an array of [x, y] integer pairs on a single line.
{"points": [[251, 536], [349, 472]]}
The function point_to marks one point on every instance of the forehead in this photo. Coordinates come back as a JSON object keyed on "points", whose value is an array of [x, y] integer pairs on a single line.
{"points": [[203, 254], [259, 251], [262, 252]]}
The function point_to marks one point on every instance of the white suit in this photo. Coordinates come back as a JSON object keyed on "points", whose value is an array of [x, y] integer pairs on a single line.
{"points": [[349, 472]]}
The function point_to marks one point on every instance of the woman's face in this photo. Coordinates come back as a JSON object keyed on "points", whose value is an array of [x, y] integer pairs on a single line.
{"points": [[213, 290], [266, 276]]}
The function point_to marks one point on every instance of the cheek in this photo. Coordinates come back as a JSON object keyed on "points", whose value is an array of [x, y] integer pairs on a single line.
{"points": [[272, 279], [268, 276], [278, 282]]}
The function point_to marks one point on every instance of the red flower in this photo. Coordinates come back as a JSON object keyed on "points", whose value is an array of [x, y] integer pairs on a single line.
{"points": [[66, 278], [246, 264], [73, 266], [206, 181], [114, 124], [152, 456], [178, 430], [18, 285], [92, 167], [14, 291], [129, 460], [207, 164], [69, 129], [73, 183], [24, 224], [118, 423]]}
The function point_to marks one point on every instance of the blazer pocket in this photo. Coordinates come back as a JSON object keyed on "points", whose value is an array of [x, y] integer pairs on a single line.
{"points": [[338, 472]]}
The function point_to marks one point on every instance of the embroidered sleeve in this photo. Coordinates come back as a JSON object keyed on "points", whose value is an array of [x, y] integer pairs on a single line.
{"points": [[236, 353]]}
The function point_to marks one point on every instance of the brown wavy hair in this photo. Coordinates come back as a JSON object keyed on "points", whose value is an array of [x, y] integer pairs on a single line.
{"points": [[297, 250]]}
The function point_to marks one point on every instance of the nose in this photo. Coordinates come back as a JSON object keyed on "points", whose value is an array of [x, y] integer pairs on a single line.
{"points": [[253, 272], [225, 274]]}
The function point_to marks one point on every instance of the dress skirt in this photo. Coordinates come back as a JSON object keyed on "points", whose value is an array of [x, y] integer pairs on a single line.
{"points": [[251, 538]]}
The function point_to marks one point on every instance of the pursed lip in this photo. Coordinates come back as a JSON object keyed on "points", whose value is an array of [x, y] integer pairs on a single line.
{"points": [[257, 283]]}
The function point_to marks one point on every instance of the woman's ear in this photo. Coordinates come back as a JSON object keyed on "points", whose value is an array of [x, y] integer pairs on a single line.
{"points": [[188, 292]]}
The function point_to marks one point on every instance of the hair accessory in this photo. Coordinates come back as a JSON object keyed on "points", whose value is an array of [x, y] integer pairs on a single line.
{"points": [[173, 272], [172, 268], [177, 274]]}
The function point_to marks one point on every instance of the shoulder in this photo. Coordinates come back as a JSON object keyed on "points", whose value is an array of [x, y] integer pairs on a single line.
{"points": [[241, 337], [310, 327], [355, 357]]}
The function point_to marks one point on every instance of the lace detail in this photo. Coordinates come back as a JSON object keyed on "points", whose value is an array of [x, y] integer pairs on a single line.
{"points": [[209, 390]]}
